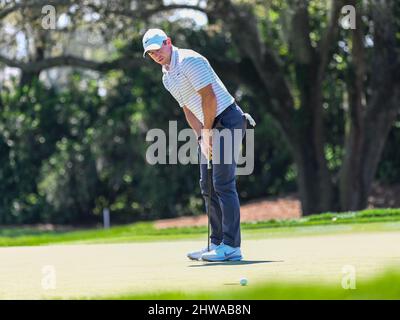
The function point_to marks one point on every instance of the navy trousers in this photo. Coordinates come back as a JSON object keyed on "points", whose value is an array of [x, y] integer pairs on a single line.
{"points": [[225, 207]]}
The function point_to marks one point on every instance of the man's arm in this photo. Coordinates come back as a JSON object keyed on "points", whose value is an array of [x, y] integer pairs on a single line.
{"points": [[209, 105], [192, 120]]}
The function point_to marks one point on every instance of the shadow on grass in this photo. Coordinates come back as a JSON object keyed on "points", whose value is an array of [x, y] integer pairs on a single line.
{"points": [[231, 263]]}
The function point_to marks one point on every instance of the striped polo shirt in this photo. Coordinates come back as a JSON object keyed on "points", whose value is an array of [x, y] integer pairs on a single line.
{"points": [[189, 72]]}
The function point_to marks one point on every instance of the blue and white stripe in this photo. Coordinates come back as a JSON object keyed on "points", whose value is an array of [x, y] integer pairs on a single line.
{"points": [[189, 72]]}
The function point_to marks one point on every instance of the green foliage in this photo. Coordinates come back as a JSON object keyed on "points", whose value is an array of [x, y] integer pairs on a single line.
{"points": [[66, 153], [27, 137], [376, 288], [368, 220]]}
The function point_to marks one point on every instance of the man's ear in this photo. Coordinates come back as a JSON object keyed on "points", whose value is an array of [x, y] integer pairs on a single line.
{"points": [[169, 41]]}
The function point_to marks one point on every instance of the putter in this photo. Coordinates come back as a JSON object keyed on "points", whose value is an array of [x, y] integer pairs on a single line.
{"points": [[209, 177]]}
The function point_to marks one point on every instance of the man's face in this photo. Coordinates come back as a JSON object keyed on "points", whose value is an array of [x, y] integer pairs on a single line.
{"points": [[163, 55]]}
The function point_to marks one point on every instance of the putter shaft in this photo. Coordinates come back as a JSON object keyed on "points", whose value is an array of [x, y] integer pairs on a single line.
{"points": [[209, 177]]}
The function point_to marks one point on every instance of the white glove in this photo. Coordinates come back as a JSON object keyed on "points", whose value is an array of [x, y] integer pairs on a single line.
{"points": [[250, 119]]}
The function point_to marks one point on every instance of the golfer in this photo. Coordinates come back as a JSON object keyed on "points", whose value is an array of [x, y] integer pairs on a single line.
{"points": [[207, 105]]}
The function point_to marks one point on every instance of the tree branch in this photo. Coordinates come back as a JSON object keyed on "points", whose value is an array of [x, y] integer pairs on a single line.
{"points": [[299, 36], [145, 13], [62, 61], [31, 4], [328, 40], [264, 64], [133, 14]]}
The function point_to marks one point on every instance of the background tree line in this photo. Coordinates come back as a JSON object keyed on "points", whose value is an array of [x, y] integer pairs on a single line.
{"points": [[74, 117]]}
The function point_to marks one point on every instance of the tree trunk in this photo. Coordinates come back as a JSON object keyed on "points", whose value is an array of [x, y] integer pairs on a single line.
{"points": [[378, 129], [351, 175], [316, 192], [370, 124], [314, 179], [28, 78]]}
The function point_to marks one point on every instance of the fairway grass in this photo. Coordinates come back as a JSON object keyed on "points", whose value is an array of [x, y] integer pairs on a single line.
{"points": [[300, 267], [362, 221], [385, 286]]}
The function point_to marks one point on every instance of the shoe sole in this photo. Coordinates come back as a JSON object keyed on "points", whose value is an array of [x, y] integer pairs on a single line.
{"points": [[194, 259], [234, 258]]}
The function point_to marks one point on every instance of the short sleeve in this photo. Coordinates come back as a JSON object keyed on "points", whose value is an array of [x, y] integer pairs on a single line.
{"points": [[180, 102], [198, 71]]}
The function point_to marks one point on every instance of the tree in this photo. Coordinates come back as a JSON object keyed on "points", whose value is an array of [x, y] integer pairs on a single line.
{"points": [[285, 63]]}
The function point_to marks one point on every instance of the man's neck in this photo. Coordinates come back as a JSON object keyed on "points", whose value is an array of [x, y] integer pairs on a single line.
{"points": [[167, 64]]}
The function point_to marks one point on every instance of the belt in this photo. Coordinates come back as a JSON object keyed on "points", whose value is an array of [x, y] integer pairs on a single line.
{"points": [[227, 109]]}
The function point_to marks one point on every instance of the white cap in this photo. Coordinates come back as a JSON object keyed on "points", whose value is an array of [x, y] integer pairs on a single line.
{"points": [[153, 40]]}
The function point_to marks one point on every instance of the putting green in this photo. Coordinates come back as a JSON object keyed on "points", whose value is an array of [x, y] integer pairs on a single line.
{"points": [[76, 271]]}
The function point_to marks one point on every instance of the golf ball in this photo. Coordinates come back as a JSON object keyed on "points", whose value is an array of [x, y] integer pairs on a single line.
{"points": [[243, 281]]}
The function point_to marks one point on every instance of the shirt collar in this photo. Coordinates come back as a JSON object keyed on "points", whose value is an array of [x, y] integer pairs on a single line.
{"points": [[174, 58]]}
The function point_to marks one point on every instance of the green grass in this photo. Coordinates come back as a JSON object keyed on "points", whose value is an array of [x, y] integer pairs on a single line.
{"points": [[385, 286], [367, 220]]}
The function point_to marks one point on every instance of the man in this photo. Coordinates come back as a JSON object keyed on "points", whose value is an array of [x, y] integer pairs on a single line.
{"points": [[207, 105]]}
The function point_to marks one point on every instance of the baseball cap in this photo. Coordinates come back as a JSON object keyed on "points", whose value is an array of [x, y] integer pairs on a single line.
{"points": [[153, 40]]}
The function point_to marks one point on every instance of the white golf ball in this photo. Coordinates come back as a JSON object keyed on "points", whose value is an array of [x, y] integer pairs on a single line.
{"points": [[243, 282]]}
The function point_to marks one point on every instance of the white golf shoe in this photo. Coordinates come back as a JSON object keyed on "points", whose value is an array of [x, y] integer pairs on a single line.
{"points": [[223, 253], [196, 255]]}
